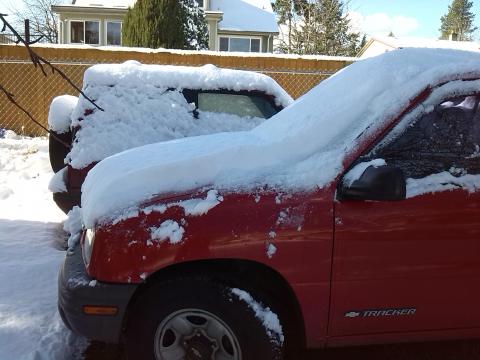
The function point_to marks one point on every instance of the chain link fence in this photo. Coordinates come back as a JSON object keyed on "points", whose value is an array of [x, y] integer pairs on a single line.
{"points": [[35, 92], [6, 38]]}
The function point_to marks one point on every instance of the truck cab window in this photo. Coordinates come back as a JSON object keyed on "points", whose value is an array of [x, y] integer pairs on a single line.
{"points": [[446, 139]]}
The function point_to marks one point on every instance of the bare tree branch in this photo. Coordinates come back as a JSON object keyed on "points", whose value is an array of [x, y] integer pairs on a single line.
{"points": [[39, 61], [11, 98], [44, 22]]}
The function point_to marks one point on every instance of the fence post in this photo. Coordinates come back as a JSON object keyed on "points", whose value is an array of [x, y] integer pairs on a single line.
{"points": [[27, 31]]}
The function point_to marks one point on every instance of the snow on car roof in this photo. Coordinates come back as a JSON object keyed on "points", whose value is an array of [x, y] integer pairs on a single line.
{"points": [[143, 105], [300, 148], [208, 77]]}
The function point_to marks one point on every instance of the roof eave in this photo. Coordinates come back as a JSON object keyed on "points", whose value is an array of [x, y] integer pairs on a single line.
{"points": [[245, 32], [88, 9]]}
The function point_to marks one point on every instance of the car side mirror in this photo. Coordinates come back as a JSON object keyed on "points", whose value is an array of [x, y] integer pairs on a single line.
{"points": [[380, 183]]}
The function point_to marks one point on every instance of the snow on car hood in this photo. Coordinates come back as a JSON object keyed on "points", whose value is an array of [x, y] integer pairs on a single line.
{"points": [[300, 148]]}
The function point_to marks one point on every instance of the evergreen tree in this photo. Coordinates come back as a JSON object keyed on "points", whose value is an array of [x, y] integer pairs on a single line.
{"points": [[458, 20], [326, 30], [195, 27], [171, 24], [316, 27], [289, 15]]}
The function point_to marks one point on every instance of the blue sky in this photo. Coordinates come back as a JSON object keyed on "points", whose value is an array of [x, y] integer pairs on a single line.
{"points": [[419, 18]]}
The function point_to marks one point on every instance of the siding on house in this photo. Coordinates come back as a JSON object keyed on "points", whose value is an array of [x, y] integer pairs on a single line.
{"points": [[66, 17], [235, 19]]}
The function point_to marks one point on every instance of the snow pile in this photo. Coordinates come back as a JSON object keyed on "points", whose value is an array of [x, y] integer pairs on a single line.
{"points": [[143, 104], [73, 226], [61, 109], [442, 182], [300, 148], [268, 318], [25, 173], [168, 230], [58, 182], [31, 251], [191, 207], [197, 207], [133, 74], [216, 122]]}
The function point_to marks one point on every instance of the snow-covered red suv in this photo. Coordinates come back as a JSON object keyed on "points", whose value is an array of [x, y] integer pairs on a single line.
{"points": [[351, 217], [145, 104]]}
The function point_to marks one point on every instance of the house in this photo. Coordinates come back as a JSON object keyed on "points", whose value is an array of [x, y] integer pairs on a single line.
{"points": [[233, 25], [92, 22], [379, 44]]}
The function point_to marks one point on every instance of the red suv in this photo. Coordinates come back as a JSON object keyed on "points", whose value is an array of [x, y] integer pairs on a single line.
{"points": [[351, 217]]}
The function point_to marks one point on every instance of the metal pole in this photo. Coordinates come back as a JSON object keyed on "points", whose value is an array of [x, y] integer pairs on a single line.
{"points": [[27, 31]]}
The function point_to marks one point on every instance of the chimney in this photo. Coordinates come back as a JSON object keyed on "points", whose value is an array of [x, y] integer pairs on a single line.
{"points": [[453, 36]]}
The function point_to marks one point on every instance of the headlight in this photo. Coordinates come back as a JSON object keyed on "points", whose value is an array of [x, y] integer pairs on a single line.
{"points": [[88, 245]]}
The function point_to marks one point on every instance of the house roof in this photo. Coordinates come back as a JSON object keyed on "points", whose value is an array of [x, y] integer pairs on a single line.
{"points": [[414, 42], [104, 3], [246, 15], [238, 15]]}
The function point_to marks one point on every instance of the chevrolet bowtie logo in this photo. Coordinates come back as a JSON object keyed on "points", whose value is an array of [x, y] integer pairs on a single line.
{"points": [[352, 314]]}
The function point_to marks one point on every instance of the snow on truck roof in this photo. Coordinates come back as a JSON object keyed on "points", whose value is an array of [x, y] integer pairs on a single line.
{"points": [[208, 77], [143, 105], [300, 148]]}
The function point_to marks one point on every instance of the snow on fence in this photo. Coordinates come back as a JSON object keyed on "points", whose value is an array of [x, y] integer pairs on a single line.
{"points": [[35, 92]]}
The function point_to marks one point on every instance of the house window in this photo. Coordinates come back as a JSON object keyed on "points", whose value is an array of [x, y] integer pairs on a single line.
{"points": [[85, 32], [77, 35], [255, 45], [223, 44], [114, 33], [239, 44], [200, 3]]}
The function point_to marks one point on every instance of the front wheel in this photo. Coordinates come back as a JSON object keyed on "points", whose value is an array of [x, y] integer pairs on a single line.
{"points": [[196, 318]]}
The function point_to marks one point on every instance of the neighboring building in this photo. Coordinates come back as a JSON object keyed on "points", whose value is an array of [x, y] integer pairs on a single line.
{"points": [[240, 25], [380, 44], [233, 25], [92, 22]]}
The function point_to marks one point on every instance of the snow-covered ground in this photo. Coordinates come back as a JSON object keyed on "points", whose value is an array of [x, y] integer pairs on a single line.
{"points": [[31, 251]]}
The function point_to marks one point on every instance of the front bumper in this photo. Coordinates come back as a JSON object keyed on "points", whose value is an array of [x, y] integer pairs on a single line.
{"points": [[76, 290]]}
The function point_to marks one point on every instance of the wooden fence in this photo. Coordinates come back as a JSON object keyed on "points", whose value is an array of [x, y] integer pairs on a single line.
{"points": [[35, 92]]}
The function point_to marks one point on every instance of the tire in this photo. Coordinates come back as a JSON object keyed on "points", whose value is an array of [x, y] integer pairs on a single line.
{"points": [[57, 151], [196, 318]]}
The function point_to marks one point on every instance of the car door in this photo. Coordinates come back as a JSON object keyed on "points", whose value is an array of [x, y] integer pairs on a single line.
{"points": [[414, 264]]}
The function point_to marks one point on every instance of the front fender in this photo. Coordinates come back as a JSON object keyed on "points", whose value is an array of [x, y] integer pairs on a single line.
{"points": [[269, 228]]}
